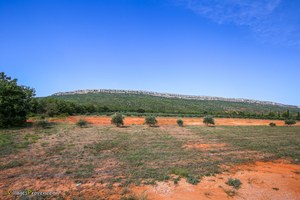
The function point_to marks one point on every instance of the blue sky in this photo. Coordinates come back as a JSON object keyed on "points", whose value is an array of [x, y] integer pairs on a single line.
{"points": [[228, 48]]}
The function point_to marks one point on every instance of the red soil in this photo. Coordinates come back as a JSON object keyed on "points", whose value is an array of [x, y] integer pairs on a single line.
{"points": [[204, 146], [105, 120], [260, 181]]}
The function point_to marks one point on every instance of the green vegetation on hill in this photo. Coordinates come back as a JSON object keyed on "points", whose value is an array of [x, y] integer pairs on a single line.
{"points": [[140, 103]]}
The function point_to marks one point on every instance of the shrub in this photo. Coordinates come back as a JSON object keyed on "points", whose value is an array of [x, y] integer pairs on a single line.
{"points": [[272, 124], [41, 124], [180, 122], [208, 120], [236, 183], [192, 180], [82, 123], [117, 119], [290, 122], [150, 120]]}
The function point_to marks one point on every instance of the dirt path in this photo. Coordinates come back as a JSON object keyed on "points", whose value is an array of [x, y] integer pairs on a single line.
{"points": [[106, 120]]}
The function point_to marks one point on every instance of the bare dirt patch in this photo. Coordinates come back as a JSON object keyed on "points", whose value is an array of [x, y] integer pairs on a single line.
{"points": [[205, 146], [260, 181]]}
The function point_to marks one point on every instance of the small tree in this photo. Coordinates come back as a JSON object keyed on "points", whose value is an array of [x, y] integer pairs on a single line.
{"points": [[117, 119], [150, 120], [208, 120], [290, 122], [272, 124], [180, 122], [82, 123]]}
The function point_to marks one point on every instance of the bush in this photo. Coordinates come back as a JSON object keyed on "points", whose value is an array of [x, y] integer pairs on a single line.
{"points": [[192, 180], [150, 120], [117, 119], [41, 124], [290, 122], [236, 183], [208, 120], [82, 123], [180, 122], [272, 124]]}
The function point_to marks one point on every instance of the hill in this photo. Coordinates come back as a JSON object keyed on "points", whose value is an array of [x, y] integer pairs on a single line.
{"points": [[153, 102]]}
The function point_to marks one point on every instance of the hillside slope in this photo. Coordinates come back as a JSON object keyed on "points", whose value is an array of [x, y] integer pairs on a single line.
{"points": [[132, 101]]}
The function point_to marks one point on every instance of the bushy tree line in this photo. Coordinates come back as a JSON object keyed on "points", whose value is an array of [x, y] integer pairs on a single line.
{"points": [[54, 107]]}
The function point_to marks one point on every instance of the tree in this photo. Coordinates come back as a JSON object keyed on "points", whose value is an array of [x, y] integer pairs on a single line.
{"points": [[117, 119], [208, 120], [180, 122], [150, 120], [15, 101], [272, 114], [290, 122], [52, 109], [286, 114]]}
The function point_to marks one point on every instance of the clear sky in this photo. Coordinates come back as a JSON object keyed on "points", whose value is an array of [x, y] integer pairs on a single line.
{"points": [[228, 48]]}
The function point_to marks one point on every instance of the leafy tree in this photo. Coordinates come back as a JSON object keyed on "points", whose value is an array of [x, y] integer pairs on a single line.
{"points": [[272, 114], [208, 120], [15, 101], [52, 109], [180, 122], [286, 114], [290, 122], [150, 120], [117, 119], [298, 116]]}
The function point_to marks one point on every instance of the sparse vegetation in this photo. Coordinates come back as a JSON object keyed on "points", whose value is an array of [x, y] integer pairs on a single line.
{"points": [[208, 120], [274, 144], [12, 164], [180, 122], [150, 120], [157, 156], [42, 124], [117, 119]]}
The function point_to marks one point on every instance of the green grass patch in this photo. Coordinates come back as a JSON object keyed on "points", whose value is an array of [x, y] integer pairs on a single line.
{"points": [[11, 164], [84, 171], [12, 140], [281, 142]]}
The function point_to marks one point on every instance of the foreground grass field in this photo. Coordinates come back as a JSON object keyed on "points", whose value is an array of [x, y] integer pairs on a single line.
{"points": [[105, 160]]}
